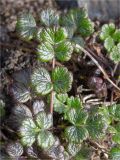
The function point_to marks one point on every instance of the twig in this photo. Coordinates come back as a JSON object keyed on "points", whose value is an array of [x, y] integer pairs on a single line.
{"points": [[98, 65], [52, 93]]}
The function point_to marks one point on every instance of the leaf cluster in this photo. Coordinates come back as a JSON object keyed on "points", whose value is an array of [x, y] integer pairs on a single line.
{"points": [[111, 37]]}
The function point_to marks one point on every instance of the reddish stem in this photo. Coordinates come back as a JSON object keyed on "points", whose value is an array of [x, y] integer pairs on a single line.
{"points": [[52, 93]]}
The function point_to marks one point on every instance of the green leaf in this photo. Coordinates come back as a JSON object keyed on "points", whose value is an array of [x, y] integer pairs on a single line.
{"points": [[45, 52], [45, 139], [109, 43], [115, 53], [44, 121], [62, 97], [26, 26], [107, 30], [76, 134], [62, 79], [78, 21], [73, 148], [117, 112], [85, 27], [59, 105], [41, 81], [96, 126], [28, 132], [49, 17], [74, 102], [76, 116], [53, 36], [115, 153], [117, 126], [116, 138], [54, 45], [105, 113], [116, 35], [63, 51], [112, 109]]}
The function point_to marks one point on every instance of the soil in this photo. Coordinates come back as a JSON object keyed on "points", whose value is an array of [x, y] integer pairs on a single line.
{"points": [[17, 55]]}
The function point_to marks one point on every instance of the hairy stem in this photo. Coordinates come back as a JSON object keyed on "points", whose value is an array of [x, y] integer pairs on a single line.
{"points": [[98, 65], [52, 93]]}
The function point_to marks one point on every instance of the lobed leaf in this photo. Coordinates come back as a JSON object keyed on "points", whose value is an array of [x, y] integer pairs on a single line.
{"points": [[62, 80], [115, 53], [45, 139], [107, 30], [76, 134], [41, 81], [109, 43], [76, 116], [26, 26], [74, 102], [49, 17]]}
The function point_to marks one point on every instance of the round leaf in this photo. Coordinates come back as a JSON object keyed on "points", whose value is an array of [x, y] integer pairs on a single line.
{"points": [[44, 121], [74, 102], [49, 17], [76, 134], [26, 26], [45, 139], [28, 132], [116, 35], [73, 148], [41, 81], [107, 30], [76, 116], [63, 51], [14, 149], [96, 126], [45, 52], [38, 106], [62, 80], [109, 43], [115, 53]]}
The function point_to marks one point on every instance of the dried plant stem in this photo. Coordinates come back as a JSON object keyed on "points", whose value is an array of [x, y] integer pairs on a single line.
{"points": [[52, 93], [98, 65]]}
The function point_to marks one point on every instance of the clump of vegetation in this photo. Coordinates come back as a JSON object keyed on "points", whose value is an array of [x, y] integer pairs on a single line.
{"points": [[59, 38], [111, 37]]}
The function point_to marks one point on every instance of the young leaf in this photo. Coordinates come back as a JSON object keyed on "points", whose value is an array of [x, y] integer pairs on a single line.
{"points": [[74, 102], [44, 121], [96, 126], [38, 106], [115, 53], [45, 139], [49, 17], [54, 45], [26, 26], [109, 43], [63, 51], [41, 81], [28, 132], [107, 30], [76, 116], [76, 134], [115, 153], [78, 20], [62, 80], [53, 36]]}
